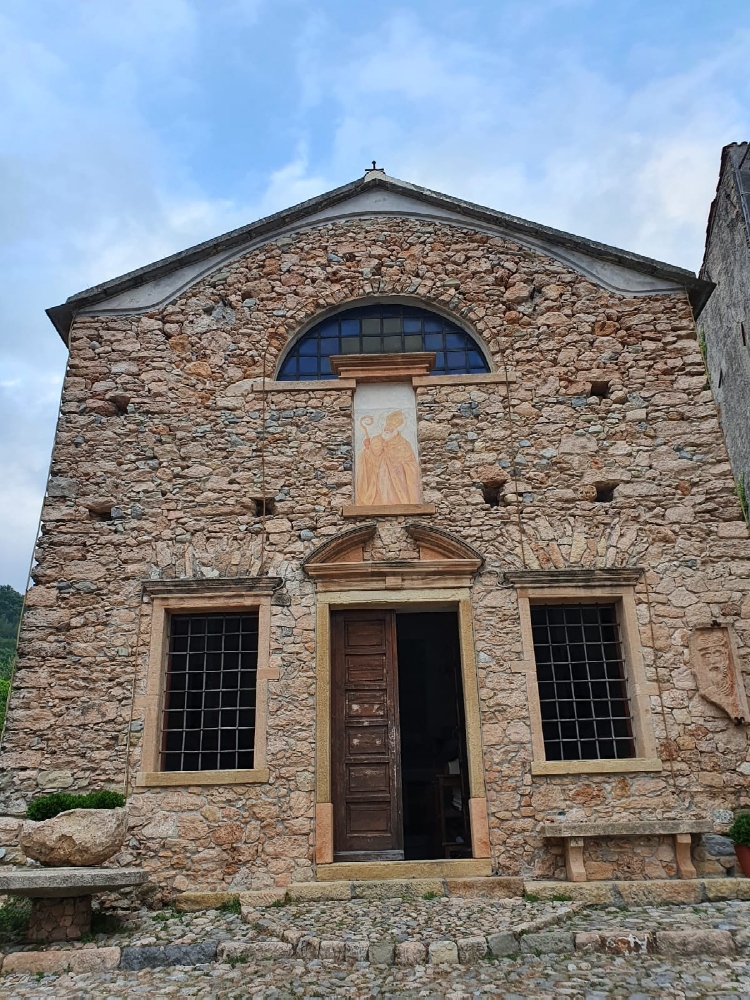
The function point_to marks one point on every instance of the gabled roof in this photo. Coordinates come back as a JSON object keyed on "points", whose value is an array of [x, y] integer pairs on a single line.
{"points": [[376, 194]]}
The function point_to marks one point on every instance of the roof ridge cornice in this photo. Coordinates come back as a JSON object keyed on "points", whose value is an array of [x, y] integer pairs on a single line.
{"points": [[62, 315]]}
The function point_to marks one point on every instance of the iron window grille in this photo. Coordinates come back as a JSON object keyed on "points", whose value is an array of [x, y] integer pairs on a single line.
{"points": [[382, 329], [209, 706], [581, 675]]}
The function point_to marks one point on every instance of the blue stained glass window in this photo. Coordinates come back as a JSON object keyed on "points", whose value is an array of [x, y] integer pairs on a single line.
{"points": [[383, 329]]}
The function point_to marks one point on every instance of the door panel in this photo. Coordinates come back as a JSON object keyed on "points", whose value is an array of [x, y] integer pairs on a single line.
{"points": [[365, 744]]}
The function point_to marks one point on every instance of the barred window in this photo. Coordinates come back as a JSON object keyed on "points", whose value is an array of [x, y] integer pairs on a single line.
{"points": [[209, 707], [582, 688], [387, 328]]}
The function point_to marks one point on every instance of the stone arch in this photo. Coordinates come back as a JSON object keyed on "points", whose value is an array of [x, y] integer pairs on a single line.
{"points": [[416, 302], [444, 560]]}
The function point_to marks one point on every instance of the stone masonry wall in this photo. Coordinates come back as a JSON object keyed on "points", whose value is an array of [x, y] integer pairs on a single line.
{"points": [[159, 418], [727, 262]]}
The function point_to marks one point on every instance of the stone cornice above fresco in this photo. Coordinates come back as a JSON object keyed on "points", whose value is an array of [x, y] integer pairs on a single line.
{"points": [[375, 196], [444, 561], [383, 367]]}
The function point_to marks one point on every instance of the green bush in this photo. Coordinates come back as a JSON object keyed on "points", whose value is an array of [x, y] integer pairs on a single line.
{"points": [[47, 806], [14, 919], [739, 831]]}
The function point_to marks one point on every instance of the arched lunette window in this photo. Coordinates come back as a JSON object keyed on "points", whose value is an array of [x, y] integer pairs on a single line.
{"points": [[387, 328]]}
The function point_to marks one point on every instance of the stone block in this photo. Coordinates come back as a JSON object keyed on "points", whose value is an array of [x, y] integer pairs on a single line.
{"points": [[717, 846], [471, 949], [357, 951], [717, 889], [411, 953], [624, 942], [593, 893], [548, 942], [503, 943], [311, 891], [588, 941], [500, 887], [80, 960], [262, 897], [698, 942], [194, 902], [253, 951], [308, 947], [408, 888], [659, 891], [136, 957], [332, 951], [443, 953], [381, 952]]}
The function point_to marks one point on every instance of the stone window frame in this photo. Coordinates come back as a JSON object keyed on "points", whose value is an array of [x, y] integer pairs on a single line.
{"points": [[610, 586], [203, 597]]}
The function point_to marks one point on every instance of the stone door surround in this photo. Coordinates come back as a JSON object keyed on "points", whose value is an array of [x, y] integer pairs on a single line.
{"points": [[439, 580]]}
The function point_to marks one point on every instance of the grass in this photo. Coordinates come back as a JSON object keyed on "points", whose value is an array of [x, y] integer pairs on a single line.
{"points": [[741, 492], [232, 905], [14, 919], [430, 895], [282, 902], [168, 913]]}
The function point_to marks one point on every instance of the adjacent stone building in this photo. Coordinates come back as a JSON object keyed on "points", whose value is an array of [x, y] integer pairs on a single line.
{"points": [[390, 534], [724, 322]]}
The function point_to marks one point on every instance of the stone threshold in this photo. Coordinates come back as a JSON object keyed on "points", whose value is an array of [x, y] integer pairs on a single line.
{"points": [[440, 868]]}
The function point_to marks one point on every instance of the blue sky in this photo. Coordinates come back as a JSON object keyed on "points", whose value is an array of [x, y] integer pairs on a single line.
{"points": [[130, 129]]}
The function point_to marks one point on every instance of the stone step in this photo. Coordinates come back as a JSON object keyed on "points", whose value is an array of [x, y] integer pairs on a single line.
{"points": [[491, 887], [652, 892]]}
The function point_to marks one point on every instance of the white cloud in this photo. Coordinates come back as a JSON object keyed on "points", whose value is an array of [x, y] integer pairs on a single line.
{"points": [[94, 181]]}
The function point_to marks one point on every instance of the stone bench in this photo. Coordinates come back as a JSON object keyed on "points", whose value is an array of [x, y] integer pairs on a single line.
{"points": [[573, 835], [61, 897]]}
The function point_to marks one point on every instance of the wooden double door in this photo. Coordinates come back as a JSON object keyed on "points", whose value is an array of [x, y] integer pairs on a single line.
{"points": [[399, 774]]}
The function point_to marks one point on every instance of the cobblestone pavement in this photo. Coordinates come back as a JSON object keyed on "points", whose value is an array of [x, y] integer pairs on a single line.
{"points": [[396, 919], [731, 915], [393, 919], [632, 977]]}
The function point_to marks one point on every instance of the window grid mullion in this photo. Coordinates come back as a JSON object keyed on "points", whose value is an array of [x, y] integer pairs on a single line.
{"points": [[583, 723]]}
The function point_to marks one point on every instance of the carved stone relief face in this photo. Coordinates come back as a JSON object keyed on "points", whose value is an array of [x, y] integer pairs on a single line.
{"points": [[716, 668]]}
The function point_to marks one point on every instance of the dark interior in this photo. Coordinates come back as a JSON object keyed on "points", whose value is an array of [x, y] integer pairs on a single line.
{"points": [[433, 740]]}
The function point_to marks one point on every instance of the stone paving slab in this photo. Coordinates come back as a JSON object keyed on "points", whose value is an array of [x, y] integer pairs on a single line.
{"points": [[80, 960]]}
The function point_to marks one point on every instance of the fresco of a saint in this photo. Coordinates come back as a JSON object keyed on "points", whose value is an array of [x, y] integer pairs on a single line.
{"points": [[387, 467], [387, 470]]}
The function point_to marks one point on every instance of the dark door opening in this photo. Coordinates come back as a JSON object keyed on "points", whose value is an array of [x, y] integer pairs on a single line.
{"points": [[434, 769]]}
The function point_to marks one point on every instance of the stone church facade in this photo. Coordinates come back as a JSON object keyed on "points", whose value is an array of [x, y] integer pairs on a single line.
{"points": [[390, 532]]}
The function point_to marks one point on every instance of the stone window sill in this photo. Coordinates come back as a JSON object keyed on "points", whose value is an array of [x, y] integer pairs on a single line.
{"points": [[620, 766], [170, 779]]}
